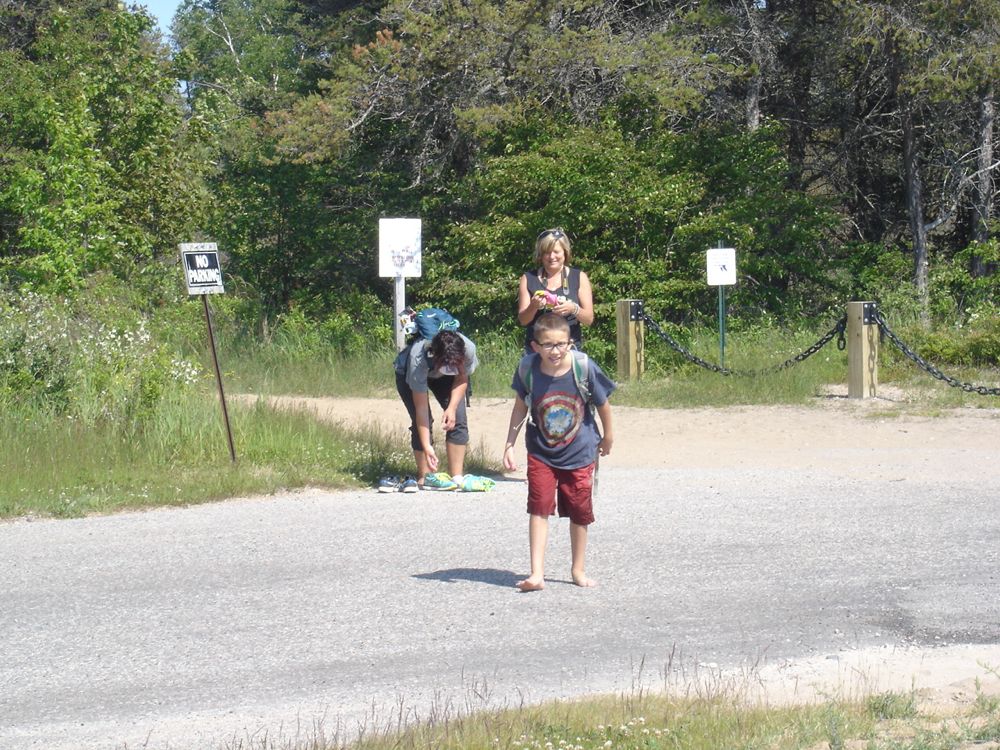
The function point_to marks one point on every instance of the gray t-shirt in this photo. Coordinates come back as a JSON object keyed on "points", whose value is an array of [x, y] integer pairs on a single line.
{"points": [[563, 431], [418, 368]]}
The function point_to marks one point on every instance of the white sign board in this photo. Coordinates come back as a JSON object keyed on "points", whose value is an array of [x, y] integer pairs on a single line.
{"points": [[721, 265], [202, 272], [398, 247]]}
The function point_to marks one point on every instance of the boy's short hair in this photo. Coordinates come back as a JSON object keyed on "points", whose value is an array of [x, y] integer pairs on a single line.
{"points": [[551, 237], [551, 321], [447, 348]]}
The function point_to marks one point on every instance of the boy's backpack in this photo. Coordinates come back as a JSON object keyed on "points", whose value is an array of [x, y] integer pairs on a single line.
{"points": [[427, 323], [581, 377]]}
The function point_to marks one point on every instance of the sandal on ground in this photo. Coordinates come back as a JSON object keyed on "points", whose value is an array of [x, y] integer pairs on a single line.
{"points": [[472, 483]]}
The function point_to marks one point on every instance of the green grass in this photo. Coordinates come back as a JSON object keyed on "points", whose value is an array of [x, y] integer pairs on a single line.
{"points": [[56, 467], [670, 381], [657, 721], [275, 371]]}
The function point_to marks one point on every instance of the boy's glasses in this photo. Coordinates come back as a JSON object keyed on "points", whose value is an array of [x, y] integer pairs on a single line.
{"points": [[555, 347], [556, 233]]}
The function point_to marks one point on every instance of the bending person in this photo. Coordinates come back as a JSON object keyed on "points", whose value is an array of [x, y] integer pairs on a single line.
{"points": [[440, 366]]}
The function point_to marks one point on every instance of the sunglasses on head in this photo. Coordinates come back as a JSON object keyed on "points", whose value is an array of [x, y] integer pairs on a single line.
{"points": [[556, 233]]}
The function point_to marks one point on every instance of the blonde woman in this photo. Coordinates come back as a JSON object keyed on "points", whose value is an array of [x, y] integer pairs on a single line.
{"points": [[555, 287]]}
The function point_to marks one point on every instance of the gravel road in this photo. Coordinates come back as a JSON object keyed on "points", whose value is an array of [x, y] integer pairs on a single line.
{"points": [[316, 612]]}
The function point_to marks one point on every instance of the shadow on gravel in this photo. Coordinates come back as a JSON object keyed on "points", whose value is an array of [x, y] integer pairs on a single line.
{"points": [[491, 576]]}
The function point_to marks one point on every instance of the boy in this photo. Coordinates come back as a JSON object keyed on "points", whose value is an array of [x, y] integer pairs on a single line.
{"points": [[562, 440], [440, 366]]}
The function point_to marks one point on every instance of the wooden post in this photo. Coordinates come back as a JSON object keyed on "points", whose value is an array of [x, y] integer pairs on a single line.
{"points": [[862, 350], [218, 381], [630, 335], [398, 304]]}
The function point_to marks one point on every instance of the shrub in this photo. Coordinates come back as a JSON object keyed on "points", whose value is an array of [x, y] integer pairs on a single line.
{"points": [[976, 343], [87, 362]]}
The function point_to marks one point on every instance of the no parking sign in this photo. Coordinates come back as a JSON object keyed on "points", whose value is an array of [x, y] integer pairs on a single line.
{"points": [[203, 276], [202, 271]]}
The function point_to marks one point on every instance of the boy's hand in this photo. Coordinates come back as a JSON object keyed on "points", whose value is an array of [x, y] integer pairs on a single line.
{"points": [[509, 462], [605, 445]]}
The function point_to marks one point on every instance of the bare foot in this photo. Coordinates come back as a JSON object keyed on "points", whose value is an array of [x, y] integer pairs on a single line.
{"points": [[531, 584], [582, 580]]}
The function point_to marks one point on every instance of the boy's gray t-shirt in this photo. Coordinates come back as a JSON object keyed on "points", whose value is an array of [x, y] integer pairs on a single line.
{"points": [[564, 434], [418, 364]]}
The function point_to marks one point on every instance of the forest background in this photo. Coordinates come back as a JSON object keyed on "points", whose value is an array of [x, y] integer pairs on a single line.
{"points": [[844, 148]]}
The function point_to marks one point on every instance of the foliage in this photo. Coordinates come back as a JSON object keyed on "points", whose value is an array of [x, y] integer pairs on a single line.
{"points": [[958, 294], [437, 78], [99, 175], [975, 344], [361, 325], [93, 362], [641, 214], [651, 132]]}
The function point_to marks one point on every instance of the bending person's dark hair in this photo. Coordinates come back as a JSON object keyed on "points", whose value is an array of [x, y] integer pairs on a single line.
{"points": [[447, 348]]}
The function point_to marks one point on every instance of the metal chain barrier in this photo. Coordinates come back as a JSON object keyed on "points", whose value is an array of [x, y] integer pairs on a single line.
{"points": [[839, 329], [927, 366]]}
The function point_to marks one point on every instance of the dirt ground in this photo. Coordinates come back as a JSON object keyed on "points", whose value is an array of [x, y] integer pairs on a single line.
{"points": [[883, 438]]}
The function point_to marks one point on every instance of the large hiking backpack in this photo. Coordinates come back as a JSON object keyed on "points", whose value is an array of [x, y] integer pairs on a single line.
{"points": [[428, 322], [580, 365], [423, 325]]}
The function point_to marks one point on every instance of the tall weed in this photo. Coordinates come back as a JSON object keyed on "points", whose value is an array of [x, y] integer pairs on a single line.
{"points": [[85, 362], [61, 467]]}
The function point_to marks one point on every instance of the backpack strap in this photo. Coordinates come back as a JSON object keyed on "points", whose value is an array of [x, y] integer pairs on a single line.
{"points": [[525, 370], [581, 376]]}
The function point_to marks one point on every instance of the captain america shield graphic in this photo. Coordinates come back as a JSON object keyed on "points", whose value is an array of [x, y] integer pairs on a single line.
{"points": [[560, 416]]}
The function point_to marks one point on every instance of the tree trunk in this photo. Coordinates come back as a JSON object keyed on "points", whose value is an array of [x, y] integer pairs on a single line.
{"points": [[799, 59], [753, 103], [984, 176], [915, 210], [758, 62]]}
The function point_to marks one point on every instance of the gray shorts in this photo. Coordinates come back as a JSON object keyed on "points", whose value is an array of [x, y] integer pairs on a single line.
{"points": [[441, 388]]}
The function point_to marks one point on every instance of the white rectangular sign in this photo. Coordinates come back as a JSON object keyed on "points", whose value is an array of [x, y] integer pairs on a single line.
{"points": [[202, 271], [721, 265], [399, 247]]}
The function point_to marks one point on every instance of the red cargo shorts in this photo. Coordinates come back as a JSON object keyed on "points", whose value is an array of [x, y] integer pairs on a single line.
{"points": [[574, 489]]}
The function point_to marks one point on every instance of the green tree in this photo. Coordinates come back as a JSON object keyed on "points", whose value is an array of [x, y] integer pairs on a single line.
{"points": [[100, 174], [641, 215]]}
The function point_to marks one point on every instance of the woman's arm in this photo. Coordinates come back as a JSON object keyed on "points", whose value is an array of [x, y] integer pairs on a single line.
{"points": [[586, 312], [422, 407], [527, 306], [458, 389], [584, 309]]}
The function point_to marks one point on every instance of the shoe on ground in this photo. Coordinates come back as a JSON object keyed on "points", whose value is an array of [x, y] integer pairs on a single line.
{"points": [[472, 483], [409, 484], [390, 484], [440, 481]]}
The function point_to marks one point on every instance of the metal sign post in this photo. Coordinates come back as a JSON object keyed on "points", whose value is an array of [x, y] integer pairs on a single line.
{"points": [[720, 263], [203, 276], [399, 256]]}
